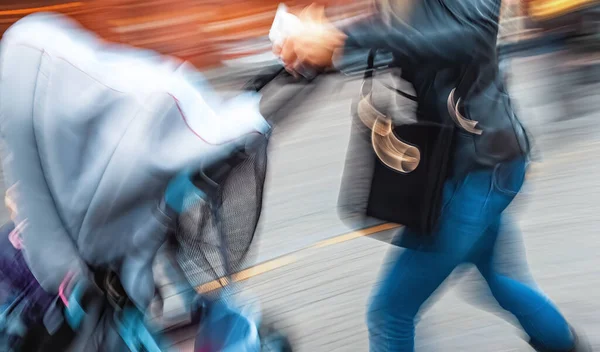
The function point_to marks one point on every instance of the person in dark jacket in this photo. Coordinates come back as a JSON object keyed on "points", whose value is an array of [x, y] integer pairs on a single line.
{"points": [[447, 50]]}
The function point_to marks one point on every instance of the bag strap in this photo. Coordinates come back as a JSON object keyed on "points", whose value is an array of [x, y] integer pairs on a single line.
{"points": [[465, 85], [456, 96], [462, 89], [367, 84], [391, 151], [369, 76], [367, 87]]}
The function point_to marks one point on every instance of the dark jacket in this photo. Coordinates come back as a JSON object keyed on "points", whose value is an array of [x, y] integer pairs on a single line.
{"points": [[447, 44]]}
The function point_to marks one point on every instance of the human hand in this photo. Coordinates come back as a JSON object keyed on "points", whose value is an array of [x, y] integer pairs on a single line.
{"points": [[314, 45]]}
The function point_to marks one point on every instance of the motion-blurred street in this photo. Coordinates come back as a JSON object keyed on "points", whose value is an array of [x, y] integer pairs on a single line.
{"points": [[313, 274]]}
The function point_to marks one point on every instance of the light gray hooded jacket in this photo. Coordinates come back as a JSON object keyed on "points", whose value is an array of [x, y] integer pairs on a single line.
{"points": [[92, 134]]}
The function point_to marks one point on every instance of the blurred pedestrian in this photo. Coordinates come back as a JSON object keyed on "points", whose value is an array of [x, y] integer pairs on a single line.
{"points": [[440, 45]]}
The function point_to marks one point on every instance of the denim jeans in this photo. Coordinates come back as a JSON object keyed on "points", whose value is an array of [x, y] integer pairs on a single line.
{"points": [[467, 233]]}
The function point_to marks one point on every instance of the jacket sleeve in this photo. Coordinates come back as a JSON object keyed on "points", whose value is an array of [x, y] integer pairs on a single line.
{"points": [[441, 33], [50, 251]]}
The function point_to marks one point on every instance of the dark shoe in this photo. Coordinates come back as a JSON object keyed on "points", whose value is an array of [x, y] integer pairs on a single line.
{"points": [[581, 344]]}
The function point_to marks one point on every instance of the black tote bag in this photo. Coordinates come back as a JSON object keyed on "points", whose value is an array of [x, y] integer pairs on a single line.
{"points": [[397, 178]]}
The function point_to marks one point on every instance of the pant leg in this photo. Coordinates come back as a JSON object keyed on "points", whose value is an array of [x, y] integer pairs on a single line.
{"points": [[471, 206], [537, 315], [412, 278]]}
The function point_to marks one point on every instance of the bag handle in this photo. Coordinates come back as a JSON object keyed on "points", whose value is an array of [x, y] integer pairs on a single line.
{"points": [[391, 151], [369, 76], [462, 90]]}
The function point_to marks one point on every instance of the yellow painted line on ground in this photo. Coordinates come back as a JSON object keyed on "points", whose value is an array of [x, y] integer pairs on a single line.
{"points": [[30, 10], [292, 258], [534, 171], [355, 234], [248, 273]]}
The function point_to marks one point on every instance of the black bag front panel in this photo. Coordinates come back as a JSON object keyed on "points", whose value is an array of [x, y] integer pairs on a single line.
{"points": [[413, 199], [371, 190]]}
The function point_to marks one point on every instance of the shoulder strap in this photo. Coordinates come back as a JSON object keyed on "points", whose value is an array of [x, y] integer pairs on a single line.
{"points": [[466, 82], [367, 85]]}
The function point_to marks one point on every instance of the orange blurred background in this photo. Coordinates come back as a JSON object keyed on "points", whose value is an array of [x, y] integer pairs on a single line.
{"points": [[208, 32], [204, 32]]}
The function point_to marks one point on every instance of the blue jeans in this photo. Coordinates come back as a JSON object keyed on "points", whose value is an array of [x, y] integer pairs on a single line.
{"points": [[468, 229]]}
